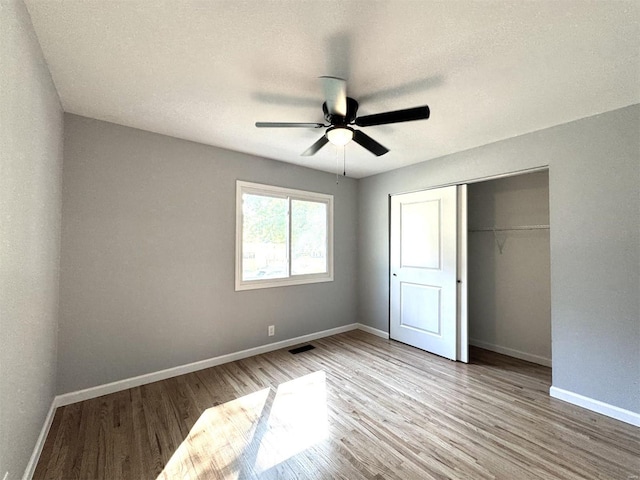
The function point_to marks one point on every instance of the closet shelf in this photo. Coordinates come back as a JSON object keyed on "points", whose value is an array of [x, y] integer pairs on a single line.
{"points": [[506, 229]]}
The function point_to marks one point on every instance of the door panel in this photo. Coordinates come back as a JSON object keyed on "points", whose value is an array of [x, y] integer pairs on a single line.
{"points": [[463, 340], [420, 244], [424, 299], [420, 307]]}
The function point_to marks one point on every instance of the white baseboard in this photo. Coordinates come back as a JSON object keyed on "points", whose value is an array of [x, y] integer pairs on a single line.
{"points": [[597, 406], [98, 391], [373, 331], [529, 357], [35, 456], [93, 392]]}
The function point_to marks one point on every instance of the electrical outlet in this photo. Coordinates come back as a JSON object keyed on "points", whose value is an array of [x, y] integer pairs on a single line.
{"points": [[272, 330]]}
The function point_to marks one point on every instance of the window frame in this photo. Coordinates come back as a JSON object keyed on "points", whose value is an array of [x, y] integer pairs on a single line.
{"points": [[290, 194]]}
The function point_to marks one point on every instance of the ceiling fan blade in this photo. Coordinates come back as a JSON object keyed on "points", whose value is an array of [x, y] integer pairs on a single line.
{"points": [[369, 143], [315, 147], [335, 95], [288, 125], [407, 115]]}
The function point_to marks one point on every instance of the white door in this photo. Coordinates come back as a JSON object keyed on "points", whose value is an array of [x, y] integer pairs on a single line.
{"points": [[424, 271]]}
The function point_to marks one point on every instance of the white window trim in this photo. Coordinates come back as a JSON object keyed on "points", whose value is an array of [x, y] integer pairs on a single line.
{"points": [[273, 191]]}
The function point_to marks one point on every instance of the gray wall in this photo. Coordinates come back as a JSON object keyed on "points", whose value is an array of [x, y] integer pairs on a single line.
{"points": [[30, 180], [148, 245], [595, 257], [594, 173], [509, 290]]}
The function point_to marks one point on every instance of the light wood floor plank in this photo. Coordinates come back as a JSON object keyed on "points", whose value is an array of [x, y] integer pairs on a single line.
{"points": [[355, 407]]}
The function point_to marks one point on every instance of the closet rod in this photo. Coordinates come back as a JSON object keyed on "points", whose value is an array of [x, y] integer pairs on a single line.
{"points": [[504, 229]]}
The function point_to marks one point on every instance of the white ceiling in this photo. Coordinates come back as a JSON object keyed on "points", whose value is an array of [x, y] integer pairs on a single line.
{"points": [[208, 70]]}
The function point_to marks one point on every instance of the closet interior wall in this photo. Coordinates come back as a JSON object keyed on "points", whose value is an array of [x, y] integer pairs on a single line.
{"points": [[509, 276]]}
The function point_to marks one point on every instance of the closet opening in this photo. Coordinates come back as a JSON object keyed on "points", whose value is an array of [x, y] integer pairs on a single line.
{"points": [[509, 298]]}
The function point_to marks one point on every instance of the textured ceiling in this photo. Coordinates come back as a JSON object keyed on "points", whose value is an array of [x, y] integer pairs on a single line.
{"points": [[208, 70]]}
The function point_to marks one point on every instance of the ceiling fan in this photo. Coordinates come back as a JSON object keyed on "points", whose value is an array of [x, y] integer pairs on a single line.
{"points": [[340, 113]]}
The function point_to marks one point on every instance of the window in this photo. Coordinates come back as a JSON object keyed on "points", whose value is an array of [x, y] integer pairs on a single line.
{"points": [[283, 236]]}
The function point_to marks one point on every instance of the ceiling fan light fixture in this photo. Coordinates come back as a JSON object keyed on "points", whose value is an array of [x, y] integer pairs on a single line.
{"points": [[340, 135]]}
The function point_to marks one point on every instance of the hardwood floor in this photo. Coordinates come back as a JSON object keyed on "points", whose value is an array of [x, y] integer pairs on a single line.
{"points": [[355, 407]]}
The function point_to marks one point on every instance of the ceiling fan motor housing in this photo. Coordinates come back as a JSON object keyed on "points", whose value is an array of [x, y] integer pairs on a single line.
{"points": [[339, 120]]}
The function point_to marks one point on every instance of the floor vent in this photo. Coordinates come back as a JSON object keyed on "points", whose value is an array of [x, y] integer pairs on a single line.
{"points": [[301, 349]]}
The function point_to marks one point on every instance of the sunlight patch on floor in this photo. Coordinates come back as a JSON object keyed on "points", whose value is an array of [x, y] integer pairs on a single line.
{"points": [[252, 434], [298, 420]]}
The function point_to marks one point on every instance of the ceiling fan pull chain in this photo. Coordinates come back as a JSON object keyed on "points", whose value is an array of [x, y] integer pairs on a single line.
{"points": [[344, 162], [337, 168]]}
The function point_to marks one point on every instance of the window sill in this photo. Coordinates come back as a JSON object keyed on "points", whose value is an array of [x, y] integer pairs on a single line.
{"points": [[282, 282]]}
